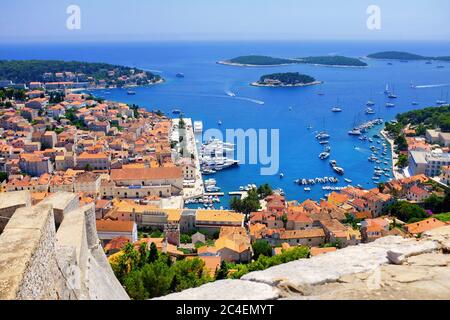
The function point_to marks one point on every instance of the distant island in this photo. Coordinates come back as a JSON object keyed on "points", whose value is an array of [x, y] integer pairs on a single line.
{"points": [[288, 79], [91, 74], [337, 61], [260, 61], [257, 61], [400, 55]]}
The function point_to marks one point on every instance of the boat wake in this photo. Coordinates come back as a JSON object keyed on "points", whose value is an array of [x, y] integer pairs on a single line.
{"points": [[251, 100], [432, 86]]}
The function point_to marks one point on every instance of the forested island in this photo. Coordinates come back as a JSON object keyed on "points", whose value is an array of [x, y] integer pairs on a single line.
{"points": [[338, 61], [399, 55], [26, 71], [288, 79], [255, 61]]}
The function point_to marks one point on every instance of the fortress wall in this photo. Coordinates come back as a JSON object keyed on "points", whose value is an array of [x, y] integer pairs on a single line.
{"points": [[28, 256]]}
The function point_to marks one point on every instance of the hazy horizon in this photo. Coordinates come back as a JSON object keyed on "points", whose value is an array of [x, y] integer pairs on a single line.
{"points": [[223, 20]]}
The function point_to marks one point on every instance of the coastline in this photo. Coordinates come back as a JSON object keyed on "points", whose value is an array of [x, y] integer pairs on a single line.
{"points": [[258, 84], [160, 81], [234, 64], [395, 170]]}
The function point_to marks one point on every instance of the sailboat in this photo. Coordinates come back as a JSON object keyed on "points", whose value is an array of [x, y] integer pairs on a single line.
{"points": [[386, 90], [370, 103], [336, 108], [441, 101], [392, 95]]}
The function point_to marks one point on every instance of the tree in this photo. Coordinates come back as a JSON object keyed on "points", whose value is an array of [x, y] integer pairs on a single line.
{"points": [[264, 191], [3, 176], [143, 254], [181, 123], [153, 255], [134, 286], [434, 203], [401, 143], [406, 211], [261, 247], [222, 273], [402, 161]]}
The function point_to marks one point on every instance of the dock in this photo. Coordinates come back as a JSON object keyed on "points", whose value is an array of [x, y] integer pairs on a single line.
{"points": [[214, 194]]}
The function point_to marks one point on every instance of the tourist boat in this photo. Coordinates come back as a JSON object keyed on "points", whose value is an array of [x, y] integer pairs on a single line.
{"points": [[212, 189], [339, 170], [390, 105], [131, 93], [355, 132], [370, 111], [324, 155], [322, 136], [208, 171], [180, 75], [336, 109]]}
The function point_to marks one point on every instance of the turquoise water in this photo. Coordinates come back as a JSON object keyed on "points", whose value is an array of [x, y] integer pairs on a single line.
{"points": [[201, 95]]}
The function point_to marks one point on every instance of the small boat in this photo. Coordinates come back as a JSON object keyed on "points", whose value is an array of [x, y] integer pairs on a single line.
{"points": [[389, 63], [355, 132], [323, 142], [428, 62], [180, 75], [321, 94], [307, 189], [176, 111], [440, 67], [348, 180], [333, 163], [131, 93], [390, 105], [208, 171], [281, 175], [309, 127], [339, 170], [290, 108], [336, 109], [219, 123], [370, 111], [324, 155], [414, 103]]}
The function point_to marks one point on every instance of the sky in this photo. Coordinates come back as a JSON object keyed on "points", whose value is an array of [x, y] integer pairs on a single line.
{"points": [[159, 20]]}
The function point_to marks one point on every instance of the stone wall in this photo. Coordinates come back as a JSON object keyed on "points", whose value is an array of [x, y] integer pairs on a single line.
{"points": [[38, 263], [389, 268]]}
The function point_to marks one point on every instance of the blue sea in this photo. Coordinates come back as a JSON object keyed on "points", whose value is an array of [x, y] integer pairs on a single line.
{"points": [[202, 95]]}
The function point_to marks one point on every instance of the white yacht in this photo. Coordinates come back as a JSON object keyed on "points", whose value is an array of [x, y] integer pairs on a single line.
{"points": [[198, 127]]}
